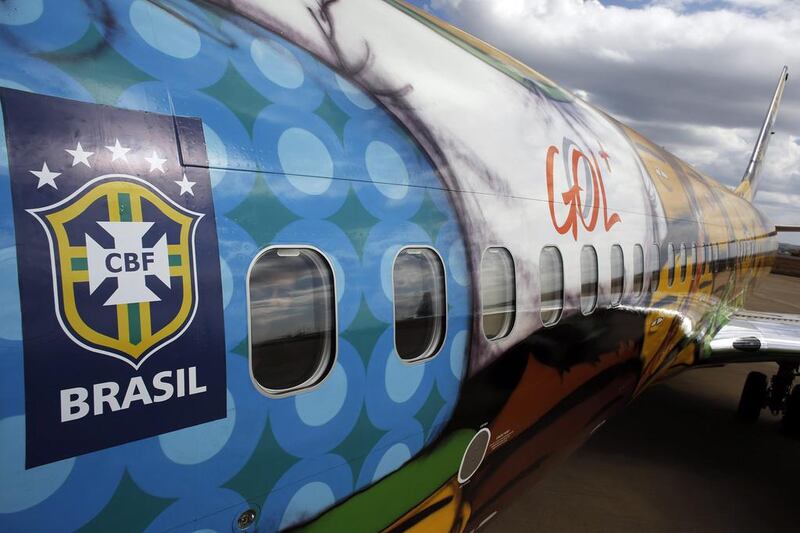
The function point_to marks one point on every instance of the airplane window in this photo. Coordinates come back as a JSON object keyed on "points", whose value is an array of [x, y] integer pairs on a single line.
{"points": [[712, 257], [683, 263], [588, 279], [497, 293], [292, 319], [419, 303], [617, 274], [716, 257], [655, 268], [638, 269], [694, 259], [706, 250], [671, 264], [725, 254], [551, 282]]}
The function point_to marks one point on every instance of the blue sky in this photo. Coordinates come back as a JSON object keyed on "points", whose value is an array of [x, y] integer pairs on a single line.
{"points": [[695, 76]]}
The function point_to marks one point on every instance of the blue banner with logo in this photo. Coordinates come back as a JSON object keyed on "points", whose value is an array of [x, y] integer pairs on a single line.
{"points": [[119, 275]]}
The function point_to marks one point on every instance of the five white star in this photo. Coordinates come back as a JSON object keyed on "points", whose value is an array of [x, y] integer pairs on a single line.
{"points": [[661, 173], [80, 156], [118, 152], [156, 162], [46, 176], [186, 185]]}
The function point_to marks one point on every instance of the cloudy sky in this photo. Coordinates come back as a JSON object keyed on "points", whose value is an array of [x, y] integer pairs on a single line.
{"points": [[695, 76]]}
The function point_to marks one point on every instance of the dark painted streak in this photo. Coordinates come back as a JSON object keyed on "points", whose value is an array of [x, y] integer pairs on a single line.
{"points": [[606, 408], [422, 515], [667, 301], [514, 481], [580, 339], [585, 393]]}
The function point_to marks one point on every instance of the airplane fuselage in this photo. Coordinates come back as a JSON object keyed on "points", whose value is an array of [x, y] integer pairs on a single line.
{"points": [[324, 264]]}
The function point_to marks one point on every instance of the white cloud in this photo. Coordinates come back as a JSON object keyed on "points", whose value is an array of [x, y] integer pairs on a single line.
{"points": [[696, 76]]}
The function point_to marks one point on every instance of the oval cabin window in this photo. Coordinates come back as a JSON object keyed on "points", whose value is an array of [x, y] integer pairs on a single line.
{"points": [[723, 257], [670, 264], [588, 279], [419, 303], [551, 284], [715, 254], [655, 267], [684, 262], [292, 319], [617, 274], [638, 269], [498, 293]]}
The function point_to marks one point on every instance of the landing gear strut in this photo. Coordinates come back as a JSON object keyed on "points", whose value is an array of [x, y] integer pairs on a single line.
{"points": [[778, 396]]}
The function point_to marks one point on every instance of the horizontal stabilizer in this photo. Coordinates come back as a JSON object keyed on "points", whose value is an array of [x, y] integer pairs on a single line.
{"points": [[787, 229], [749, 186]]}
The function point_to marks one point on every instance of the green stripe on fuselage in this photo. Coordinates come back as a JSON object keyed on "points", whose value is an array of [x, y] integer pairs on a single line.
{"points": [[380, 505]]}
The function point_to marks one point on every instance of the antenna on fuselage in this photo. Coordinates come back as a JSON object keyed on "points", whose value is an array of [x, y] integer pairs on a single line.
{"points": [[749, 186]]}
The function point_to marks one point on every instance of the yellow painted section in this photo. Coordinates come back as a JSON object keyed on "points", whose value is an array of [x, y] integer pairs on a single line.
{"points": [[451, 512]]}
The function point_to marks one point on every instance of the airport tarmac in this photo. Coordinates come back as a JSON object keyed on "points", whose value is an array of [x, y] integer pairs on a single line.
{"points": [[676, 460]]}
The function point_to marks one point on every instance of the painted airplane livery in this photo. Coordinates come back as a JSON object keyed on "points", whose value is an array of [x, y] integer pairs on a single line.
{"points": [[334, 265]]}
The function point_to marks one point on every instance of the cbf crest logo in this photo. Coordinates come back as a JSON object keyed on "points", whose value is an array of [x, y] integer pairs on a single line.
{"points": [[121, 248], [119, 274]]}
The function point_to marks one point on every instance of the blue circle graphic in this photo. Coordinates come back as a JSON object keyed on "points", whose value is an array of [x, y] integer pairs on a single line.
{"points": [[305, 430], [392, 451], [396, 389]]}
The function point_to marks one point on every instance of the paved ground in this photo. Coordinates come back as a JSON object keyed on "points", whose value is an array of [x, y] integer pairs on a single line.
{"points": [[676, 460], [776, 293]]}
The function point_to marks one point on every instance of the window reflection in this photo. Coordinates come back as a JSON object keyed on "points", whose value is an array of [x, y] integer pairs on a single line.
{"points": [[292, 324], [671, 264], [655, 268], [588, 279], [497, 293], [551, 280], [723, 257], [419, 303], [638, 270], [684, 262], [617, 274]]}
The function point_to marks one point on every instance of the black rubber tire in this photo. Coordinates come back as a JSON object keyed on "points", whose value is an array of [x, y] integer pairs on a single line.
{"points": [[791, 415], [752, 400]]}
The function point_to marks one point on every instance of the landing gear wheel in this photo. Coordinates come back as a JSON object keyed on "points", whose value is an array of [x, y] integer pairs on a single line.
{"points": [[753, 395], [791, 415]]}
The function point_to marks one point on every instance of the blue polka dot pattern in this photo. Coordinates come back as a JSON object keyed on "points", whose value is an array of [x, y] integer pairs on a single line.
{"points": [[298, 155]]}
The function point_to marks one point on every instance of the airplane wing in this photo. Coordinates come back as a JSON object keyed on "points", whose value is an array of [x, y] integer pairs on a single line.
{"points": [[752, 336]]}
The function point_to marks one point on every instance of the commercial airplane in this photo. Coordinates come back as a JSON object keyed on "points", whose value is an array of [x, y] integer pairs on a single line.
{"points": [[334, 265]]}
